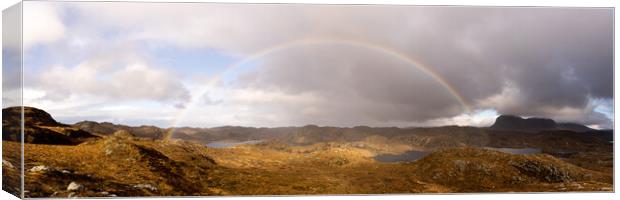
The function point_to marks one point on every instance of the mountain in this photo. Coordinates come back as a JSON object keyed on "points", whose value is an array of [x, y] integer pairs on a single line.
{"points": [[511, 122], [534, 124], [424, 137], [39, 128], [573, 127]]}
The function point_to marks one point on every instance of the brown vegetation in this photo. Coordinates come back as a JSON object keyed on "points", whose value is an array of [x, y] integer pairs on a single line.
{"points": [[334, 161]]}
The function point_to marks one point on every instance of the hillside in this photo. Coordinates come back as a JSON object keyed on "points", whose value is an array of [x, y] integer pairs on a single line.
{"points": [[107, 128], [116, 161], [472, 169], [39, 128]]}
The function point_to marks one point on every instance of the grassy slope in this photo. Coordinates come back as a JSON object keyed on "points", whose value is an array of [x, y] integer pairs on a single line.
{"points": [[118, 165]]}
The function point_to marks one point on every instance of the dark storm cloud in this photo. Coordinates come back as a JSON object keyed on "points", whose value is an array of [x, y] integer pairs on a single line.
{"points": [[550, 62], [357, 85], [554, 60]]}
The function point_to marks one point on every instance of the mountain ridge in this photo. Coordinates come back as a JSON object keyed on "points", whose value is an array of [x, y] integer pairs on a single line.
{"points": [[534, 124]]}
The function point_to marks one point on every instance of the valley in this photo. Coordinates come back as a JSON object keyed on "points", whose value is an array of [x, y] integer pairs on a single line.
{"points": [[102, 159]]}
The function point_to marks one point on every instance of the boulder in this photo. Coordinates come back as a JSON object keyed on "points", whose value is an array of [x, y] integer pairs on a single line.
{"points": [[145, 186], [39, 168], [73, 186], [7, 164]]}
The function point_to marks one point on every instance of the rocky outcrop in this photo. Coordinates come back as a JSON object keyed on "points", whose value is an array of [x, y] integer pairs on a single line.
{"points": [[39, 128], [475, 169], [543, 171]]}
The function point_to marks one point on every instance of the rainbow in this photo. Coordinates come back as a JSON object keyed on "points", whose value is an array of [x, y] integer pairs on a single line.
{"points": [[317, 41]]}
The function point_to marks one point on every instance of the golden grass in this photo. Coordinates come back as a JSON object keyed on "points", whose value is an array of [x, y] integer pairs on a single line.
{"points": [[117, 165]]}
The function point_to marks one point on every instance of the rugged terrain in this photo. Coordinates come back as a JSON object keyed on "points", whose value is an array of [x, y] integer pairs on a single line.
{"points": [[104, 159]]}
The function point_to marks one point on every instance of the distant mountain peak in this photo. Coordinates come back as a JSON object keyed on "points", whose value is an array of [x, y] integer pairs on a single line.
{"points": [[534, 124]]}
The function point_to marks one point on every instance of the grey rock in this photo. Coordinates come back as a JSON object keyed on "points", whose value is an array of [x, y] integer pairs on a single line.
{"points": [[7, 164], [39, 168], [73, 186], [544, 172], [145, 186]]}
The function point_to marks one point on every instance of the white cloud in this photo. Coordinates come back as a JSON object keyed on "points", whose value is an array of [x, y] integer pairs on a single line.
{"points": [[79, 107], [113, 80], [42, 24], [510, 98], [479, 118]]}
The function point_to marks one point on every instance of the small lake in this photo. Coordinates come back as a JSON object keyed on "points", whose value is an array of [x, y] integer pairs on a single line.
{"points": [[403, 157], [517, 150], [225, 144]]}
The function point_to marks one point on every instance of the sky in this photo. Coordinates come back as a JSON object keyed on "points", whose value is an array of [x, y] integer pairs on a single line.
{"points": [[270, 65]]}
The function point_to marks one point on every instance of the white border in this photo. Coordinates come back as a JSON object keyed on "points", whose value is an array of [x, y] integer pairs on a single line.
{"points": [[479, 196]]}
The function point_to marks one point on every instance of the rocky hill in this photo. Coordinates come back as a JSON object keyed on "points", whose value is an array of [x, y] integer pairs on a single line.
{"points": [[39, 128], [476, 170], [106, 128]]}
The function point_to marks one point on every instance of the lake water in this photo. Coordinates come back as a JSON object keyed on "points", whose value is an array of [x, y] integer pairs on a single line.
{"points": [[517, 150], [222, 144], [415, 155], [404, 157]]}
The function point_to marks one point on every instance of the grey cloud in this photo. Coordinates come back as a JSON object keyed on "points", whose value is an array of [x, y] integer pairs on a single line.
{"points": [[359, 86], [556, 59]]}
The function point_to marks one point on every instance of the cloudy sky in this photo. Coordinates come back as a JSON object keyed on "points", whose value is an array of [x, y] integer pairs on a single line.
{"points": [[206, 65]]}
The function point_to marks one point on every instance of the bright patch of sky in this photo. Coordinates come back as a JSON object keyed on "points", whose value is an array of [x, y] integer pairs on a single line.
{"points": [[605, 106], [190, 62]]}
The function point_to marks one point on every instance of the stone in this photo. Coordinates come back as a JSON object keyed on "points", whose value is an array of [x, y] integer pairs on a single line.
{"points": [[145, 186], [39, 168], [7, 164], [73, 186], [108, 152]]}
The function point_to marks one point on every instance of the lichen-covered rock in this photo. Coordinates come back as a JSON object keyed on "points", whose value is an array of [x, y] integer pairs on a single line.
{"points": [[549, 173], [145, 186], [39, 168], [8, 164], [73, 186]]}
